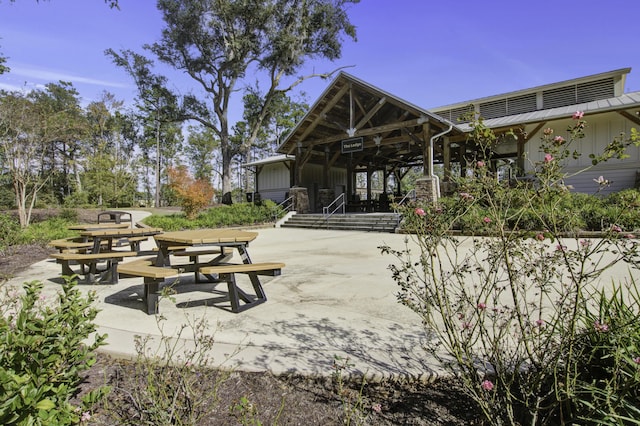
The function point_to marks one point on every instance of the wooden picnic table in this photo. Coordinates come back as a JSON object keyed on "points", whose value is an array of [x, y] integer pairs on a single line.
{"points": [[101, 251], [221, 238], [97, 226], [193, 244], [111, 234]]}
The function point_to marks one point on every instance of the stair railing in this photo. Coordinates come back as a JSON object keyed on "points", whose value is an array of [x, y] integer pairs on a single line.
{"points": [[338, 204], [286, 205], [411, 195]]}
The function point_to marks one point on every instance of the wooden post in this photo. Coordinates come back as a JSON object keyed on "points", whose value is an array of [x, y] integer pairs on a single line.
{"points": [[427, 160]]}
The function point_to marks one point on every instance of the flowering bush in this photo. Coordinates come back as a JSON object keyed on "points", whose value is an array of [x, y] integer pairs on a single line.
{"points": [[192, 194], [521, 316]]}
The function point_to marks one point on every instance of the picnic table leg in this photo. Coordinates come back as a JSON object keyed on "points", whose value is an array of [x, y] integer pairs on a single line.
{"points": [[236, 293], [66, 269], [110, 275], [151, 287]]}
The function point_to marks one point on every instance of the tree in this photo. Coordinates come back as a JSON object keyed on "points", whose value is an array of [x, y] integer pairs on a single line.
{"points": [[216, 42], [192, 194], [200, 149], [109, 176], [29, 124], [158, 109], [281, 117]]}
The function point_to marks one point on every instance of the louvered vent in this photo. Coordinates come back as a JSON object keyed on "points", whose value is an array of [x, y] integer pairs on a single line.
{"points": [[583, 92], [559, 97], [596, 90], [457, 115], [521, 104], [493, 109]]}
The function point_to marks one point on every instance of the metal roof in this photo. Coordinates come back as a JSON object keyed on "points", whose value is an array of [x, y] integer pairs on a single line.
{"points": [[626, 101], [269, 160]]}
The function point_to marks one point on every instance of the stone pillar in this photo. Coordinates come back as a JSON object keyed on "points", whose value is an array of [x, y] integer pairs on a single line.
{"points": [[300, 198], [427, 189], [325, 197]]}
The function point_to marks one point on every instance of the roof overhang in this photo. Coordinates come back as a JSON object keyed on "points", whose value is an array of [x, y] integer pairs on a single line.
{"points": [[392, 130], [271, 160]]}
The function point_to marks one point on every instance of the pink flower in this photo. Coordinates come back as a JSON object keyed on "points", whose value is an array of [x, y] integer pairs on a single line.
{"points": [[539, 323], [629, 236], [585, 243], [466, 325], [548, 158], [487, 385], [480, 163], [420, 212], [616, 228], [560, 247], [486, 219], [377, 408], [482, 306], [637, 360], [548, 131], [601, 181], [540, 236], [602, 328], [85, 416], [578, 115], [559, 140], [466, 196]]}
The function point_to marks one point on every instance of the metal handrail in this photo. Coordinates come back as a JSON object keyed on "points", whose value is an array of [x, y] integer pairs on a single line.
{"points": [[411, 195], [339, 201], [287, 202]]}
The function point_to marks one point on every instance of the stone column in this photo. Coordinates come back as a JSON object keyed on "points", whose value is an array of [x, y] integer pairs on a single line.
{"points": [[300, 198], [325, 197], [427, 189]]}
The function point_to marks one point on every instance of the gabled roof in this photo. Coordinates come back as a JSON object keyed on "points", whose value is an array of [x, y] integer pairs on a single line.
{"points": [[350, 107]]}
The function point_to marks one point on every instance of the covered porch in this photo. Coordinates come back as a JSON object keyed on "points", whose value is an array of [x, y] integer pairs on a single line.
{"points": [[376, 139]]}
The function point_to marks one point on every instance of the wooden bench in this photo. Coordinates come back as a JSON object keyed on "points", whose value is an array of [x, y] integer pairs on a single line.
{"points": [[108, 276], [134, 242], [72, 245], [226, 272], [153, 276]]}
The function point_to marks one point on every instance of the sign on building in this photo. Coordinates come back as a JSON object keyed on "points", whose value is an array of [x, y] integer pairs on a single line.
{"points": [[352, 145]]}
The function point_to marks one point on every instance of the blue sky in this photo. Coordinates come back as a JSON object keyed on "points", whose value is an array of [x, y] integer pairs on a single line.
{"points": [[426, 52]]}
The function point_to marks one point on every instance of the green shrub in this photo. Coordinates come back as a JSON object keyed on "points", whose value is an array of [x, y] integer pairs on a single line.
{"points": [[43, 352], [9, 231], [45, 231], [240, 214], [608, 360]]}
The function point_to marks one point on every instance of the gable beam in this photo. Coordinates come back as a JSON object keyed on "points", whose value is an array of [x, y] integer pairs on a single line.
{"points": [[630, 117]]}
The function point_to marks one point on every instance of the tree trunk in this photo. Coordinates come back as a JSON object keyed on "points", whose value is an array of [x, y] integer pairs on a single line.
{"points": [[226, 173], [157, 198]]}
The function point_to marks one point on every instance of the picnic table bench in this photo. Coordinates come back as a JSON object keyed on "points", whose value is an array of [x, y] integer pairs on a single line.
{"points": [[78, 245], [154, 275], [92, 274]]}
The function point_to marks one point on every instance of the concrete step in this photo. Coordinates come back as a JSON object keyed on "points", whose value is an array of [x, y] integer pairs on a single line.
{"points": [[373, 222]]}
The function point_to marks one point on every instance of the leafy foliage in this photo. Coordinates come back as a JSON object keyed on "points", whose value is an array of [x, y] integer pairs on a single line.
{"points": [[43, 352], [217, 217], [522, 316], [193, 194]]}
